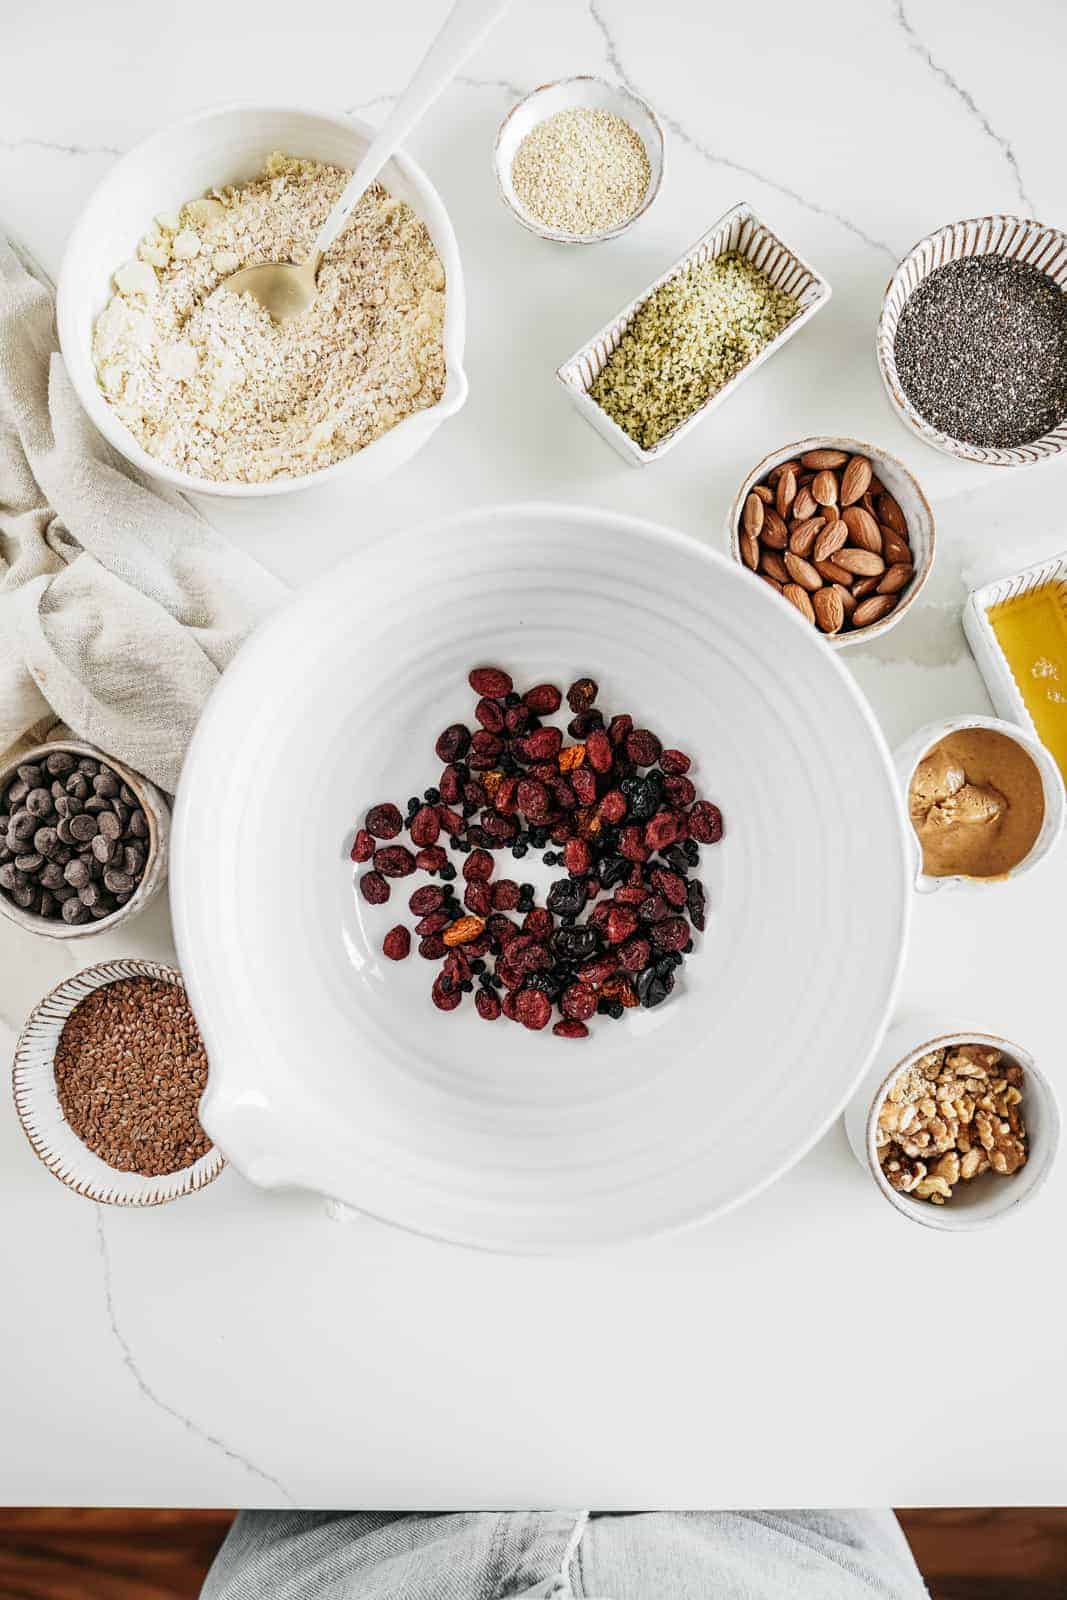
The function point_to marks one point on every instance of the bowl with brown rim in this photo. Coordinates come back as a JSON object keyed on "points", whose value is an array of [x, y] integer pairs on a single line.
{"points": [[39, 1110], [888, 472], [157, 815]]}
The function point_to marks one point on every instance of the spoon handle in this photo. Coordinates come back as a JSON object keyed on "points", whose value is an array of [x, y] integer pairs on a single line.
{"points": [[462, 33]]}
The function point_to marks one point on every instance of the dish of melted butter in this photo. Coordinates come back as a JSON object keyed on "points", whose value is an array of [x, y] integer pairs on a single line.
{"points": [[1031, 630]]}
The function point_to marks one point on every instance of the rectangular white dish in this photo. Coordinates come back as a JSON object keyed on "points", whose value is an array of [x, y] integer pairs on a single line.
{"points": [[737, 229], [989, 658]]}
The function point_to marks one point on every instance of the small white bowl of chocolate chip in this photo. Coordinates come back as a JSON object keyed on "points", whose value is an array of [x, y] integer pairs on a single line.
{"points": [[957, 1130]]}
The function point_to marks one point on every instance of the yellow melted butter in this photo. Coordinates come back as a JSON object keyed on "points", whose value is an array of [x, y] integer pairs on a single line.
{"points": [[1031, 629]]}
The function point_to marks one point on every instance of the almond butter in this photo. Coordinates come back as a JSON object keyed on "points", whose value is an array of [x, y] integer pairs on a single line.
{"points": [[802, 536], [829, 610], [801, 599], [802, 571], [817, 460], [873, 610], [830, 539], [864, 563], [805, 505], [832, 573], [772, 566], [824, 488], [752, 515], [775, 533], [891, 513], [896, 577], [854, 480], [785, 491], [749, 550], [862, 529]]}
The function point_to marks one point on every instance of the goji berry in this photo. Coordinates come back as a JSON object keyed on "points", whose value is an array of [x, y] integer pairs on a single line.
{"points": [[598, 751], [577, 856]]}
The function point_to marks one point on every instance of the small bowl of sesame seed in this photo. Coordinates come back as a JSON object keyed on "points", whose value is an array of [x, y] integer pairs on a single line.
{"points": [[579, 160], [108, 1074]]}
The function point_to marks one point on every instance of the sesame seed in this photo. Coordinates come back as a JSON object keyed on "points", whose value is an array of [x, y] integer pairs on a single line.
{"points": [[581, 171]]}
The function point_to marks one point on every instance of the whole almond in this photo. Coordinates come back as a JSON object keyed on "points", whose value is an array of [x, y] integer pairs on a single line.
{"points": [[824, 488], [783, 466], [802, 571], [862, 529], [848, 599], [749, 545], [829, 540], [803, 535], [774, 533], [894, 546], [785, 491], [829, 610], [772, 566], [805, 505], [890, 512], [834, 574], [829, 515], [854, 480], [752, 515], [876, 486], [762, 492], [896, 577], [801, 599], [864, 563], [818, 460], [766, 578], [873, 609], [863, 587]]}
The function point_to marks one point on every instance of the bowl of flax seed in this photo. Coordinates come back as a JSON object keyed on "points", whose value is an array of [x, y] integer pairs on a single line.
{"points": [[108, 1074]]}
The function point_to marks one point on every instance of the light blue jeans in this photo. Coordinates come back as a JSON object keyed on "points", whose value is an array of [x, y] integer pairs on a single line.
{"points": [[660, 1555]]}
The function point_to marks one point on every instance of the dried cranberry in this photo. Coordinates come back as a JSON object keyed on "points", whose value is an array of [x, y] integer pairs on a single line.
{"points": [[478, 898], [479, 946], [619, 729], [446, 994], [457, 966], [669, 884], [373, 888], [517, 719], [385, 822], [450, 785], [654, 909], [705, 823], [631, 894], [487, 1005], [423, 901], [570, 1030], [544, 699], [425, 826], [453, 743], [501, 929], [612, 807], [491, 681], [397, 943], [622, 923], [484, 751], [562, 830], [578, 1002], [671, 934], [500, 829], [582, 693], [598, 917], [506, 798], [679, 791], [663, 829], [697, 904], [544, 744], [583, 782], [585, 723], [635, 954], [674, 762], [505, 894], [533, 800], [507, 1006], [394, 860], [491, 716], [533, 1008], [362, 846], [431, 859], [599, 970], [479, 864], [475, 795], [598, 752], [577, 857], [451, 821], [538, 922], [643, 747], [632, 844], [433, 922]]}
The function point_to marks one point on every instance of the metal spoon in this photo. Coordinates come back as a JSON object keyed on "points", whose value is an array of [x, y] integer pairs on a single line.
{"points": [[286, 289]]}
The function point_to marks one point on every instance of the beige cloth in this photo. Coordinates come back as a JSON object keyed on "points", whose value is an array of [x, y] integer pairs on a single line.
{"points": [[119, 605]]}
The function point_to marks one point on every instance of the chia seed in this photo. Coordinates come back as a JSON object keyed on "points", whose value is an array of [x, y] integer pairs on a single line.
{"points": [[981, 351]]}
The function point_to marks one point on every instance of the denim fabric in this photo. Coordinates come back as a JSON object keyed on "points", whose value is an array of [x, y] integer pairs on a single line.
{"points": [[662, 1555]]}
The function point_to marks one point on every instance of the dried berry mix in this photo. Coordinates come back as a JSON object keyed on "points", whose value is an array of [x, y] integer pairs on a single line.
{"points": [[613, 808]]}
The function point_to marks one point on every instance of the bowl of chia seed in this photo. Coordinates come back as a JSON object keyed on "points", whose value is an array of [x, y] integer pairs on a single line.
{"points": [[972, 340]]}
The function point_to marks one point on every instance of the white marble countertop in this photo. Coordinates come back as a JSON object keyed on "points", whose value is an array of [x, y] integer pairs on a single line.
{"points": [[240, 1348]]}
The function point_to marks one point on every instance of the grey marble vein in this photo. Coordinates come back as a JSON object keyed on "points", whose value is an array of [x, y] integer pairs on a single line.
{"points": [[129, 1361], [503, 84], [719, 160], [916, 44], [60, 149]]}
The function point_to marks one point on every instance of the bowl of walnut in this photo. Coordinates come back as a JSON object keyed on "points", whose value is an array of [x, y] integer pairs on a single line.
{"points": [[958, 1130]]}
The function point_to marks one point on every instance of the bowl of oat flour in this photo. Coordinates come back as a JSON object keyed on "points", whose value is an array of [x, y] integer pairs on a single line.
{"points": [[204, 391]]}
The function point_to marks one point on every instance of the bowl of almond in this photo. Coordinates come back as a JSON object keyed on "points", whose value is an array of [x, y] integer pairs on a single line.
{"points": [[840, 529]]}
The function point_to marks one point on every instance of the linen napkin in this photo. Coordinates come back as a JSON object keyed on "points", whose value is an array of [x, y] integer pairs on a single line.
{"points": [[119, 605]]}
